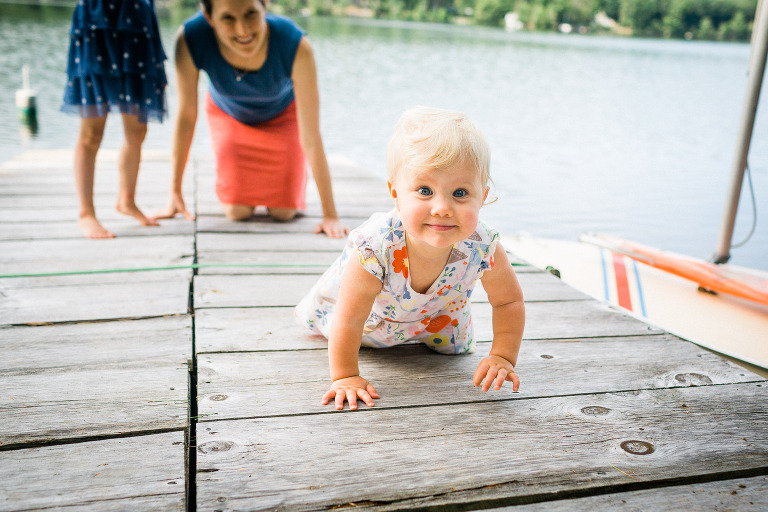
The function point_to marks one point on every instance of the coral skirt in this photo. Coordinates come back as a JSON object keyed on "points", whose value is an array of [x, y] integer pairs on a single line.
{"points": [[260, 165]]}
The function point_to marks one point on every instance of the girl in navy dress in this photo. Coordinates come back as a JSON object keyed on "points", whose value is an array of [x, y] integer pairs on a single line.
{"points": [[116, 63]]}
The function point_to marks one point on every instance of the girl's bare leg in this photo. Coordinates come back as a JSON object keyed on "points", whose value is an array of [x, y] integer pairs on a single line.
{"points": [[130, 158], [88, 142]]}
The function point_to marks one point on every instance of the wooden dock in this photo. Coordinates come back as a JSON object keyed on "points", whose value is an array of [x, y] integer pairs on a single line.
{"points": [[163, 370]]}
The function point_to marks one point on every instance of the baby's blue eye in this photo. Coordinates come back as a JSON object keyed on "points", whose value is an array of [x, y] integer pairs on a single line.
{"points": [[425, 191], [460, 193]]}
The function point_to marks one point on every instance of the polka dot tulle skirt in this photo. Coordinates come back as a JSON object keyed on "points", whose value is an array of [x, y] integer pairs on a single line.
{"points": [[116, 61]]}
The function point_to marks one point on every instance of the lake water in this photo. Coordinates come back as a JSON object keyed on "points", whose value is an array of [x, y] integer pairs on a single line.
{"points": [[630, 137]]}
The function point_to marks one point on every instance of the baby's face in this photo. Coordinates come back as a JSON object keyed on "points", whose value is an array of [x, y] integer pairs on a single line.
{"points": [[439, 207]]}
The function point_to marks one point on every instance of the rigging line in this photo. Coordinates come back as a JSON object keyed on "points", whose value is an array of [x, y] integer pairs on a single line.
{"points": [[754, 210]]}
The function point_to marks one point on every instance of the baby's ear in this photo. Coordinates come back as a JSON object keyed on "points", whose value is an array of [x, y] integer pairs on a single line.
{"points": [[485, 194]]}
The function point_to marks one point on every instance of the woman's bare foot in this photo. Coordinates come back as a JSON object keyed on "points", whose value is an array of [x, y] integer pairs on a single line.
{"points": [[133, 211], [91, 228]]}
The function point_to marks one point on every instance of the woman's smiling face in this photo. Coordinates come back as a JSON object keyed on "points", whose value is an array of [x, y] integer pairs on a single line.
{"points": [[240, 26]]}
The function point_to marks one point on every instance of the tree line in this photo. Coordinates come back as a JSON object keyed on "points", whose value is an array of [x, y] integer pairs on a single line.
{"points": [[720, 20]]}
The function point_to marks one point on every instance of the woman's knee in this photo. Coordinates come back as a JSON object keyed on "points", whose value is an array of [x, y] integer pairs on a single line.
{"points": [[238, 211], [282, 214]]}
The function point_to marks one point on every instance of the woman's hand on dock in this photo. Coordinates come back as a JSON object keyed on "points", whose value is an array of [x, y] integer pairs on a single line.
{"points": [[349, 389], [332, 227], [495, 368], [175, 205]]}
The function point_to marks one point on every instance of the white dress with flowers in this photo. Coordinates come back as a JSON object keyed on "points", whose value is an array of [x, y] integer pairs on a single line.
{"points": [[439, 318]]}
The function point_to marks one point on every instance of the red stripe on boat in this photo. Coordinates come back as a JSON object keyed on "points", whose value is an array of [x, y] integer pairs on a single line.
{"points": [[622, 284]]}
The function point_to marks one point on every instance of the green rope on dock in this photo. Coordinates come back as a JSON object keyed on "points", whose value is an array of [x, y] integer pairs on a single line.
{"points": [[179, 267]]}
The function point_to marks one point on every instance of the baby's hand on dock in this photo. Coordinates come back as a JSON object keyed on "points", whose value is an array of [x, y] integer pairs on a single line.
{"points": [[495, 368], [349, 389]]}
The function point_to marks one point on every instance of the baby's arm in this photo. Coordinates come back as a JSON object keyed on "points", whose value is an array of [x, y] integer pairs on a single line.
{"points": [[506, 297], [356, 295]]}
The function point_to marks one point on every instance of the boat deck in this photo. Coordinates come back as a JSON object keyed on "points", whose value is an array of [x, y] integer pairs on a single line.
{"points": [[162, 370]]}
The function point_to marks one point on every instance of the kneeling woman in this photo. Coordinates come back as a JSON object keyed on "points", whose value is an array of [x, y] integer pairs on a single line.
{"points": [[263, 111]]}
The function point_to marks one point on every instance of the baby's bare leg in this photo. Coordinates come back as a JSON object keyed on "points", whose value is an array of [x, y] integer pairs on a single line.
{"points": [[86, 148], [238, 211], [130, 158]]}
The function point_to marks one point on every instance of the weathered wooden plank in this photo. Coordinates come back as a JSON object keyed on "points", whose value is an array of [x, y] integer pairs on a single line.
{"points": [[355, 189], [50, 188], [263, 224], [30, 217], [72, 403], [352, 214], [231, 242], [106, 378], [134, 473], [59, 347], [566, 320], [537, 286], [216, 291], [80, 254], [121, 227], [742, 494], [93, 297], [475, 452], [311, 245], [88, 279], [286, 383], [223, 291], [41, 159], [265, 262], [257, 329]]}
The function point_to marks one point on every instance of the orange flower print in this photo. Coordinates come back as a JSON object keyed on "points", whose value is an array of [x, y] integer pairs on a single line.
{"points": [[400, 264], [437, 323]]}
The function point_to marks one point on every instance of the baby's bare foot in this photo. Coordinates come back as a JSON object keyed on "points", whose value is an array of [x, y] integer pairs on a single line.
{"points": [[91, 228], [132, 210]]}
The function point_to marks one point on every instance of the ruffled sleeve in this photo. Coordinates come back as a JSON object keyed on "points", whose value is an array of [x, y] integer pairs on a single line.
{"points": [[369, 260], [486, 247], [366, 242]]}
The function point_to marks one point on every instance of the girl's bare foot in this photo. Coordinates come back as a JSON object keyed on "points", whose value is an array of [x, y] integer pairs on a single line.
{"points": [[91, 228], [132, 210]]}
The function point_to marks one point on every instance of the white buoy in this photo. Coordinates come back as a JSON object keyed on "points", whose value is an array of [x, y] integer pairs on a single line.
{"points": [[26, 104]]}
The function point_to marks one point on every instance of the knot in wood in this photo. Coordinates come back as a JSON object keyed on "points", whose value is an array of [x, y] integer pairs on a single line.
{"points": [[595, 410], [638, 447], [215, 446], [693, 379]]}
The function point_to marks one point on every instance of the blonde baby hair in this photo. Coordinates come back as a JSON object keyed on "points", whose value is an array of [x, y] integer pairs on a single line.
{"points": [[432, 138]]}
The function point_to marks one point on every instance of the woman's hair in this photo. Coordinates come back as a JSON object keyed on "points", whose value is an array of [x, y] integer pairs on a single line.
{"points": [[208, 5], [432, 138]]}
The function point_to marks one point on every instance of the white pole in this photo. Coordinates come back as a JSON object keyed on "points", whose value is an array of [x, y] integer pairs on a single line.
{"points": [[755, 81]]}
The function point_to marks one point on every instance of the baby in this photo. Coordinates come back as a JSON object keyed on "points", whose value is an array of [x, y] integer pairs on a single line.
{"points": [[408, 274]]}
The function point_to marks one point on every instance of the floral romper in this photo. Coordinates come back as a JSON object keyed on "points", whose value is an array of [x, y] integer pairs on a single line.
{"points": [[439, 318]]}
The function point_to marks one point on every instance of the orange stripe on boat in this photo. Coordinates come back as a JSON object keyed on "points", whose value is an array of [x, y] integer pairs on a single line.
{"points": [[622, 283], [707, 275]]}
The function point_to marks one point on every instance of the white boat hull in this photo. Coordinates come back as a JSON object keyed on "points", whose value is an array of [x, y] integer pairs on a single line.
{"points": [[729, 325]]}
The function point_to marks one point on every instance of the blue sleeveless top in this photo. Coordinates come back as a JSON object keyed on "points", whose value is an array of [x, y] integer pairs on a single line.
{"points": [[258, 96]]}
